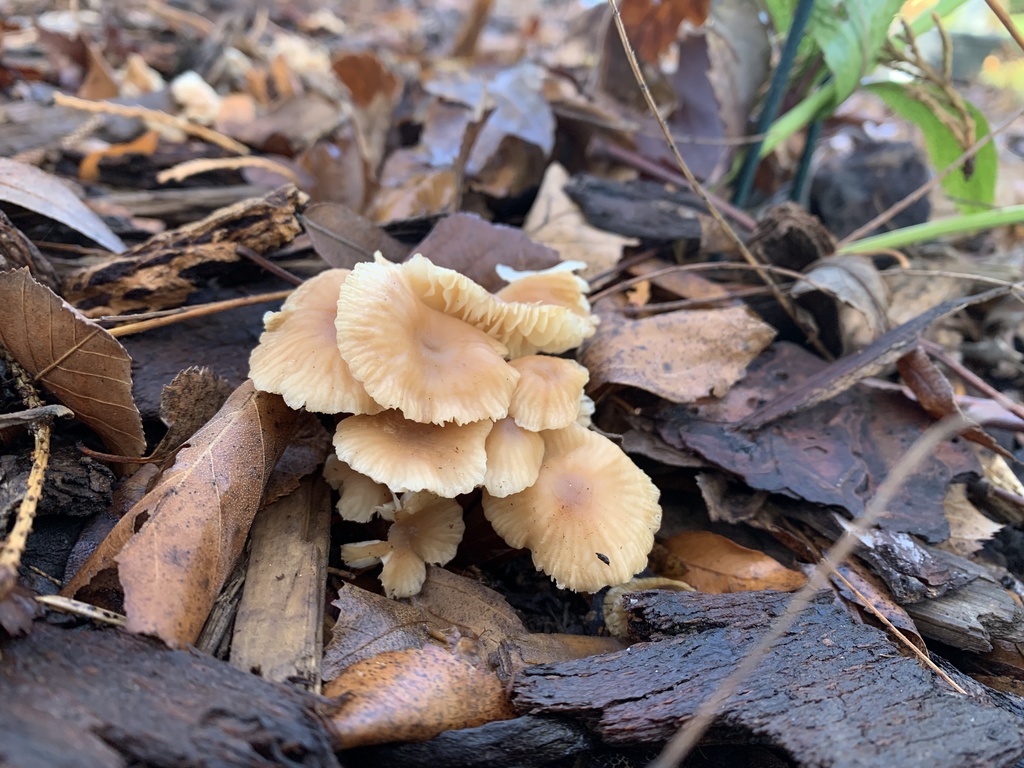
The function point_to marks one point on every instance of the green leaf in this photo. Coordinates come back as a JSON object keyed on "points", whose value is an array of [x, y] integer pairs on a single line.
{"points": [[970, 194], [850, 35]]}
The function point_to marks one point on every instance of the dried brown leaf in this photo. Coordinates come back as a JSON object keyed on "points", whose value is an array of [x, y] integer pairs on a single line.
{"points": [[192, 525], [76, 360], [343, 238], [468, 244], [557, 222], [717, 564], [45, 194], [413, 695], [651, 25], [449, 606], [681, 356]]}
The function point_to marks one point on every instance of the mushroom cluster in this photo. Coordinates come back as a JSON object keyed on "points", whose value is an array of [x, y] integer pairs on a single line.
{"points": [[447, 388]]}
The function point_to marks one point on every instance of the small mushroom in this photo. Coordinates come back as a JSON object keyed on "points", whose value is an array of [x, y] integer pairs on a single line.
{"points": [[557, 285], [549, 392], [427, 529], [298, 356], [514, 456], [431, 366], [590, 518], [360, 497], [406, 455]]}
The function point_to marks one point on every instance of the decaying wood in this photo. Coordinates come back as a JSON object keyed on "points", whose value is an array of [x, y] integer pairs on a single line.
{"points": [[639, 209], [831, 692], [163, 271], [524, 741], [107, 698], [972, 616], [279, 625]]}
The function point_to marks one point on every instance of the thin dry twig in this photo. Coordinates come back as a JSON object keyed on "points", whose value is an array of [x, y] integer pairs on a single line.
{"points": [[898, 633], [683, 742], [155, 116], [1007, 21], [204, 165], [198, 310], [14, 546], [784, 301]]}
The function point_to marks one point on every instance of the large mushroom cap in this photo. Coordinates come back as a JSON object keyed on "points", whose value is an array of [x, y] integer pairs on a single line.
{"points": [[590, 518], [298, 355], [429, 365], [406, 455], [549, 392]]}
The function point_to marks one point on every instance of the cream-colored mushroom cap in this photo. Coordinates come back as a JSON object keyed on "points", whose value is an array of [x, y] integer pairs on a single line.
{"points": [[360, 495], [527, 329], [427, 529], [514, 456], [298, 355], [548, 393], [406, 455], [590, 518], [551, 286], [431, 366]]}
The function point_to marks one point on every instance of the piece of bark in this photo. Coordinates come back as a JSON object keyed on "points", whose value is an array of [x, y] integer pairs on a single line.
{"points": [[165, 270], [524, 741], [107, 698], [647, 210], [279, 627], [971, 617], [830, 692]]}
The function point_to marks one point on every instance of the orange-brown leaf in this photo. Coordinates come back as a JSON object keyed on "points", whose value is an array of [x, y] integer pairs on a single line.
{"points": [[413, 695], [193, 524], [651, 25], [717, 564], [75, 359]]}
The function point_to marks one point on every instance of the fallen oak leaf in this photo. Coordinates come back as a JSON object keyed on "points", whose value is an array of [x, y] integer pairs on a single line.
{"points": [[73, 358], [716, 564], [192, 525]]}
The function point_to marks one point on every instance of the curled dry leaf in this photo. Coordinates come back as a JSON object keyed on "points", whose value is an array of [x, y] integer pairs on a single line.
{"points": [[76, 360], [860, 295], [45, 194], [192, 525], [681, 356], [716, 564]]}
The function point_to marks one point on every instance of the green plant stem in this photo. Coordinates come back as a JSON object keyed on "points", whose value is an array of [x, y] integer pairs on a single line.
{"points": [[773, 100], [824, 99], [955, 225]]}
